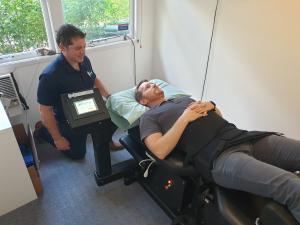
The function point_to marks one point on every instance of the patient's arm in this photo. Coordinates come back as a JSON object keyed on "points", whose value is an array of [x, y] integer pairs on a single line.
{"points": [[162, 144]]}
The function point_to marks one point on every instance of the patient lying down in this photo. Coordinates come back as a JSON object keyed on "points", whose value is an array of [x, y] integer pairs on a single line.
{"points": [[250, 161]]}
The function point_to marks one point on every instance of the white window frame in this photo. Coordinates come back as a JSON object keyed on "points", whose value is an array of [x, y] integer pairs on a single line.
{"points": [[53, 18]]}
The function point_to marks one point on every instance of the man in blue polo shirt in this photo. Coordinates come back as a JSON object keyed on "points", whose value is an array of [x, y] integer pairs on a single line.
{"points": [[70, 72]]}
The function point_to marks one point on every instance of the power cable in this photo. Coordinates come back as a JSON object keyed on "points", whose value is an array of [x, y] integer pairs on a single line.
{"points": [[209, 50], [134, 58], [141, 23]]}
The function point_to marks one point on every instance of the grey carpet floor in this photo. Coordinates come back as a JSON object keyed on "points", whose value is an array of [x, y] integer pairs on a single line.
{"points": [[72, 197]]}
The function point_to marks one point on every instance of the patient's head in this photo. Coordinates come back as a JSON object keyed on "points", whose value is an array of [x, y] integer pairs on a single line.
{"points": [[149, 94]]}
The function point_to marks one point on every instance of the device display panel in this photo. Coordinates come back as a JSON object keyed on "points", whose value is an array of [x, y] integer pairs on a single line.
{"points": [[85, 106]]}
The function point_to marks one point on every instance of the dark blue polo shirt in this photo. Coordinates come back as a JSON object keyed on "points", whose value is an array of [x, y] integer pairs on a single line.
{"points": [[60, 77]]}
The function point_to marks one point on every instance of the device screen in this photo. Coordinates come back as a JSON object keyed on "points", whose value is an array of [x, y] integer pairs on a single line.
{"points": [[85, 106]]}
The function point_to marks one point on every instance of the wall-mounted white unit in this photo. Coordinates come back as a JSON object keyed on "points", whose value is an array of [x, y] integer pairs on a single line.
{"points": [[9, 96]]}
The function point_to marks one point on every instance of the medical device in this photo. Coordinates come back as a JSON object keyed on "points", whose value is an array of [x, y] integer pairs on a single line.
{"points": [[84, 108], [86, 112]]}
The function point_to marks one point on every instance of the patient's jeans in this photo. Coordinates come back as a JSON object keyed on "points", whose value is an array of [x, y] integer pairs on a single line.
{"points": [[263, 168]]}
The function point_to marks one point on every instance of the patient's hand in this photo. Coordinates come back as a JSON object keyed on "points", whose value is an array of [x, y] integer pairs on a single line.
{"points": [[193, 112], [201, 107]]}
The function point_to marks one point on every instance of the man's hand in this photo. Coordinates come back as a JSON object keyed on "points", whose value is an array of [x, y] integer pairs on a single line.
{"points": [[62, 144], [194, 111], [47, 116], [202, 106]]}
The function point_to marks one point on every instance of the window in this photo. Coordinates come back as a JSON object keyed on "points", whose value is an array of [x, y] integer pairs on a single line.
{"points": [[26, 25], [98, 18], [22, 26]]}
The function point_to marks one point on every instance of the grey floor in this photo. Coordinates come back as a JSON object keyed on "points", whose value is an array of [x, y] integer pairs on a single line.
{"points": [[71, 196]]}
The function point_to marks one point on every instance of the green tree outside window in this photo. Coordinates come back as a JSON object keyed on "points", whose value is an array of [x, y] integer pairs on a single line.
{"points": [[21, 26], [97, 17]]}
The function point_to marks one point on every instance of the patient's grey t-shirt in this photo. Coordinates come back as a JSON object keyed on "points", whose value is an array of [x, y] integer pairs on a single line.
{"points": [[161, 118]]}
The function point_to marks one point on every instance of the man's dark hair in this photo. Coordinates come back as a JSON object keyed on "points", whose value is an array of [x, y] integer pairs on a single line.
{"points": [[66, 32], [138, 95]]}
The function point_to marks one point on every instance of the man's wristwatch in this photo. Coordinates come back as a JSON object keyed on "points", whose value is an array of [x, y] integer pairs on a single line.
{"points": [[214, 104]]}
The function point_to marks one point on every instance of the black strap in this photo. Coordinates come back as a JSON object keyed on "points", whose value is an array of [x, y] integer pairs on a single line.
{"points": [[22, 99]]}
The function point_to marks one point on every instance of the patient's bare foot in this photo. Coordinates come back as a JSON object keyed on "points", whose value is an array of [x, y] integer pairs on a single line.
{"points": [[115, 146]]}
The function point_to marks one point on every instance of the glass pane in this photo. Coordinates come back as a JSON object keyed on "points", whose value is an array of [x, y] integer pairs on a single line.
{"points": [[98, 18], [21, 26]]}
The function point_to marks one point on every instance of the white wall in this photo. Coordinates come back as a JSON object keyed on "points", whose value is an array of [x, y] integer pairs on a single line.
{"points": [[181, 41], [254, 71], [113, 64]]}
